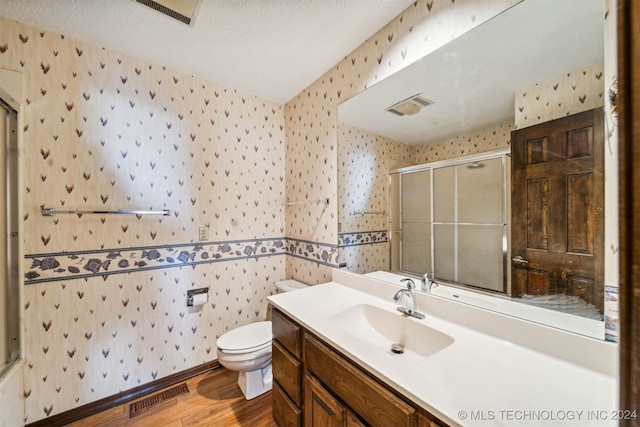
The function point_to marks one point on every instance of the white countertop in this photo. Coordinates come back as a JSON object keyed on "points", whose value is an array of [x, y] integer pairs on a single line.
{"points": [[478, 380]]}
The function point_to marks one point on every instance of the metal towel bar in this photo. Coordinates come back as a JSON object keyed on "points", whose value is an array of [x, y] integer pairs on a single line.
{"points": [[369, 213], [324, 201], [54, 212]]}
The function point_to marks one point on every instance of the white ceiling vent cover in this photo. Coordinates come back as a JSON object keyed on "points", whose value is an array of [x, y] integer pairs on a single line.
{"points": [[410, 106], [180, 10]]}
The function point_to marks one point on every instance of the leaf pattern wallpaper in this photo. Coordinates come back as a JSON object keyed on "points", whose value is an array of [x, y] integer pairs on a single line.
{"points": [[105, 295], [104, 305]]}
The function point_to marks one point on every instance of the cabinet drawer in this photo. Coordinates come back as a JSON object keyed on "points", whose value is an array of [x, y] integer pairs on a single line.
{"points": [[374, 403], [288, 372], [286, 332], [285, 412]]}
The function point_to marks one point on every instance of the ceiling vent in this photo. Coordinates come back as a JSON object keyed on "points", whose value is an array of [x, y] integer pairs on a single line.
{"points": [[180, 10], [410, 106]]}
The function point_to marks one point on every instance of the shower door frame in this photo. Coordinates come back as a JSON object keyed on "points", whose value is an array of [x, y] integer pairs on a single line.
{"points": [[12, 244]]}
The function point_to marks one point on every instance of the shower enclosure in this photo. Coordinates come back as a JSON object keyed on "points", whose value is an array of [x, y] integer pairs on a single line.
{"points": [[450, 218], [9, 279]]}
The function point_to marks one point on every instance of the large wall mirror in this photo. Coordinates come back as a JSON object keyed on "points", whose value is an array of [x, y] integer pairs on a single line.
{"points": [[424, 159]]}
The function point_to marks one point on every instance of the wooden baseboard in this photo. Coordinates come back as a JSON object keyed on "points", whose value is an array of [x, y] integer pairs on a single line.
{"points": [[84, 411]]}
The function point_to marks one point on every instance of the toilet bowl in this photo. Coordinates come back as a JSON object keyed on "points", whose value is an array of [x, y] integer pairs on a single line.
{"points": [[247, 350]]}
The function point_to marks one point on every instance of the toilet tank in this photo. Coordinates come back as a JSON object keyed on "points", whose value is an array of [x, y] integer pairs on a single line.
{"points": [[289, 285]]}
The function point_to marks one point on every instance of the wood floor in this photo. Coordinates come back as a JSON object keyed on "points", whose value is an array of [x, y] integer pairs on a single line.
{"points": [[214, 399]]}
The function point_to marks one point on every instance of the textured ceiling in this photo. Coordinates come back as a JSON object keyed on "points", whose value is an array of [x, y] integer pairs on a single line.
{"points": [[269, 48]]}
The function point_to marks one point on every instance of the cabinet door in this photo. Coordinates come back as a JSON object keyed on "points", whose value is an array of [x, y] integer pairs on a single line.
{"points": [[372, 402], [321, 409], [352, 420]]}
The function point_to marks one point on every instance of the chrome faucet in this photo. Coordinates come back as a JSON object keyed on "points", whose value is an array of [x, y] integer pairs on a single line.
{"points": [[411, 307], [428, 282]]}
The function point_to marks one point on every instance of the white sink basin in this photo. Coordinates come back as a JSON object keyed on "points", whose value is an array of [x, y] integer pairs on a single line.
{"points": [[377, 329]]}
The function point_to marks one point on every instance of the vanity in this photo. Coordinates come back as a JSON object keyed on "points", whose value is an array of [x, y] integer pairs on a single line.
{"points": [[336, 391], [461, 365]]}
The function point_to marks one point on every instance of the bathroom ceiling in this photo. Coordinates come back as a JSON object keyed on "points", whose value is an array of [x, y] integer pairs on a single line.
{"points": [[272, 49]]}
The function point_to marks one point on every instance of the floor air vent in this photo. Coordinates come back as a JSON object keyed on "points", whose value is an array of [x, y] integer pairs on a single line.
{"points": [[180, 10], [152, 401]]}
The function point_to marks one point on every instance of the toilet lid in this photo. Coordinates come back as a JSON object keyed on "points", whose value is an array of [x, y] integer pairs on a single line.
{"points": [[247, 337]]}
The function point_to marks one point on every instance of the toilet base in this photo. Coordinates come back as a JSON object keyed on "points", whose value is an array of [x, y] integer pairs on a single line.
{"points": [[256, 382]]}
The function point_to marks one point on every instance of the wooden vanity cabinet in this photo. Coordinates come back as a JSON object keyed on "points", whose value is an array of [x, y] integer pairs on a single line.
{"points": [[314, 385], [287, 370]]}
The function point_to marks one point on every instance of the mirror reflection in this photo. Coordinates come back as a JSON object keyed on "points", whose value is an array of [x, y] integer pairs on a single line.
{"points": [[425, 158]]}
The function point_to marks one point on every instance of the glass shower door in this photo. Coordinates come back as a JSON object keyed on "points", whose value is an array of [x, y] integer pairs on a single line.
{"points": [[415, 190], [9, 280]]}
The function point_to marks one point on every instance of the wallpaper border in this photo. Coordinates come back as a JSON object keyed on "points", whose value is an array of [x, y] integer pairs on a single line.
{"points": [[59, 266], [359, 238]]}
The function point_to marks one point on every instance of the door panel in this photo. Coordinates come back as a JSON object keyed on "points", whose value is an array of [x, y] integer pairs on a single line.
{"points": [[557, 212], [537, 213], [580, 213], [538, 282]]}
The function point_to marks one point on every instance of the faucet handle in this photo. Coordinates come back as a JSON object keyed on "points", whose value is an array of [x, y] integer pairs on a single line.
{"points": [[426, 279], [410, 283]]}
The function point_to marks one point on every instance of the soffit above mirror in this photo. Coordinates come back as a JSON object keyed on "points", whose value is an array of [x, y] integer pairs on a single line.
{"points": [[472, 80]]}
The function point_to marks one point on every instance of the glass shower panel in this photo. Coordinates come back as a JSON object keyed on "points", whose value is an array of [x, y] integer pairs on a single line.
{"points": [[480, 192], [444, 249], [480, 256], [415, 188], [416, 248], [444, 200], [4, 320], [416, 196], [395, 228], [9, 280]]}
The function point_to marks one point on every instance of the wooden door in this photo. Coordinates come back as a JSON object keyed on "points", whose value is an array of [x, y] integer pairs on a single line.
{"points": [[628, 16], [557, 202]]}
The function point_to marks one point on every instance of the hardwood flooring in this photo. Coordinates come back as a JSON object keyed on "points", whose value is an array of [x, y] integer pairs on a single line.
{"points": [[214, 399]]}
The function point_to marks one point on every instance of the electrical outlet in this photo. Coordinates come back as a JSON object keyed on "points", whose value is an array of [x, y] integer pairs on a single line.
{"points": [[203, 233]]}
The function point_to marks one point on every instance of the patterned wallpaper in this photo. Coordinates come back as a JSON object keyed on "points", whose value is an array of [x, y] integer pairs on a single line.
{"points": [[491, 139], [364, 160], [105, 301], [565, 95]]}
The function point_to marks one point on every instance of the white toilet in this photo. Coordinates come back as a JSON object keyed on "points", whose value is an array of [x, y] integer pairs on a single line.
{"points": [[247, 349]]}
